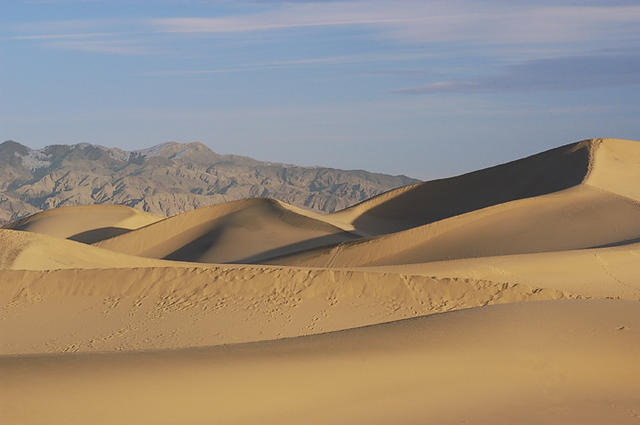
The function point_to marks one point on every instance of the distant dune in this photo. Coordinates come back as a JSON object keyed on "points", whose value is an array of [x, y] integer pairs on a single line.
{"points": [[31, 251], [85, 223], [240, 232], [509, 295]]}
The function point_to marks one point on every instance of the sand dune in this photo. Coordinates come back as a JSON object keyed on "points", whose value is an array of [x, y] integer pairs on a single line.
{"points": [[600, 210], [520, 283], [575, 218], [32, 251], [558, 362], [85, 223], [616, 167], [424, 203], [241, 231], [173, 307], [599, 273]]}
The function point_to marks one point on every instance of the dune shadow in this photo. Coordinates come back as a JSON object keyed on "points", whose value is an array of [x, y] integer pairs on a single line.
{"points": [[548, 172], [97, 235], [327, 241], [618, 243], [194, 250]]}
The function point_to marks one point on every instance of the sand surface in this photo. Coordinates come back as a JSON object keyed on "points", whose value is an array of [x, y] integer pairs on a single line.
{"points": [[86, 223], [562, 362], [507, 295], [235, 232]]}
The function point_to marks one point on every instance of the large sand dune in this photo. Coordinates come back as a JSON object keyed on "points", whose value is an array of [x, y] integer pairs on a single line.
{"points": [[602, 209], [423, 203], [580, 217], [240, 231], [520, 286]]}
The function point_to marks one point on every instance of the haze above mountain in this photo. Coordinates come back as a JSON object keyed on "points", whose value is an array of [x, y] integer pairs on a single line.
{"points": [[168, 179]]}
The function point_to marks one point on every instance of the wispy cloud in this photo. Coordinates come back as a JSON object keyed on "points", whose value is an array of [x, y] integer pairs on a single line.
{"points": [[61, 36], [300, 62], [543, 25], [569, 73], [429, 21], [120, 47]]}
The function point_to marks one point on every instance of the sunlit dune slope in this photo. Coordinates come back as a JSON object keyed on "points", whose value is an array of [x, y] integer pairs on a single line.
{"points": [[596, 272], [240, 231], [615, 167], [576, 218], [33, 251], [172, 307], [601, 210], [560, 362], [85, 223]]}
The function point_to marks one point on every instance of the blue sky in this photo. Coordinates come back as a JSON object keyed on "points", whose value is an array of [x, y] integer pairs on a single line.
{"points": [[423, 88]]}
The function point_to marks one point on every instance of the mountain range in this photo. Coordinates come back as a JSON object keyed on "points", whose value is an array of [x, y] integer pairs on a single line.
{"points": [[169, 179]]}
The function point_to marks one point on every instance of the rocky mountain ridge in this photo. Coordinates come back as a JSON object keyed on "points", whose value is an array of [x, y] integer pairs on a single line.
{"points": [[168, 179]]}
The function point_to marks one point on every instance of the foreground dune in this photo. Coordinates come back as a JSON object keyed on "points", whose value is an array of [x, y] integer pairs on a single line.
{"points": [[560, 362], [173, 307], [597, 272]]}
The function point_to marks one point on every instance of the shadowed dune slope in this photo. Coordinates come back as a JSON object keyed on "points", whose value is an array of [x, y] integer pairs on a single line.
{"points": [[600, 211], [240, 231], [557, 362], [85, 223], [579, 217], [423, 203]]}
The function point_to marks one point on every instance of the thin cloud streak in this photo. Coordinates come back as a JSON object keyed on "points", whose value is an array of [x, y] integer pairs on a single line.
{"points": [[333, 60], [524, 25], [63, 36], [420, 21], [568, 73], [119, 47]]}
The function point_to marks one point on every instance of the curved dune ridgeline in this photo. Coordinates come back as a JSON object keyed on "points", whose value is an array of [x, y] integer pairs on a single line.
{"points": [[85, 223], [594, 211], [240, 231]]}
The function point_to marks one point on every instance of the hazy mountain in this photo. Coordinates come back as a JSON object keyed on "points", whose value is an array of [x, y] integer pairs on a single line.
{"points": [[168, 179]]}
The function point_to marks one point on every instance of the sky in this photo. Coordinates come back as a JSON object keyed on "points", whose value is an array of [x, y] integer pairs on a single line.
{"points": [[423, 88]]}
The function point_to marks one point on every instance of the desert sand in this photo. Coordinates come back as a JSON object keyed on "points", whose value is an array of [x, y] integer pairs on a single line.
{"points": [[85, 223], [506, 295]]}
